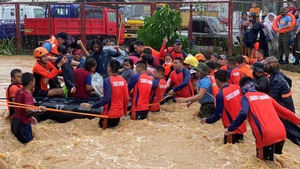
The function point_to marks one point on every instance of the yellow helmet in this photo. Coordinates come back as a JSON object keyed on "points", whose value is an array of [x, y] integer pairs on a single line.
{"points": [[39, 52], [191, 60]]}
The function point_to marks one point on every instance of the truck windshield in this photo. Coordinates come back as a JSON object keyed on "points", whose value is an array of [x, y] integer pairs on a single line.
{"points": [[39, 13], [216, 24], [137, 11]]}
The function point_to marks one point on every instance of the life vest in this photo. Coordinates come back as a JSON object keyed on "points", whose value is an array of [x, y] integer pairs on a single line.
{"points": [[224, 67], [9, 97], [177, 78], [80, 76], [266, 126], [156, 56], [245, 70], [141, 93], [234, 77], [214, 88], [43, 74], [117, 106], [232, 95], [157, 95], [54, 43], [167, 69]]}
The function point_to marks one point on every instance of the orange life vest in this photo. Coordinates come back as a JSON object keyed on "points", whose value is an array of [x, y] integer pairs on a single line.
{"points": [[54, 43]]}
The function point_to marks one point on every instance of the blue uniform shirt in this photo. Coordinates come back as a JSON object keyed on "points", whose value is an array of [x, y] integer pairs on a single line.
{"points": [[206, 84], [284, 21]]}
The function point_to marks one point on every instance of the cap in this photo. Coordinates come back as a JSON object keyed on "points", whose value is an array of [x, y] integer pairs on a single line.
{"points": [[178, 41], [223, 57], [202, 67], [258, 67], [283, 9]]}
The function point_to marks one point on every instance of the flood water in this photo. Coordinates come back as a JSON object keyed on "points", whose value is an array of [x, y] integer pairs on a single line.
{"points": [[172, 138]]}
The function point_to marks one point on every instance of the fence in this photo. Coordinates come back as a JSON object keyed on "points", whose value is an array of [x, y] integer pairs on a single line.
{"points": [[83, 26]]}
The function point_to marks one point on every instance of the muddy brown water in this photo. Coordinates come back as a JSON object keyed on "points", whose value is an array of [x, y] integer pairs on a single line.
{"points": [[172, 138]]}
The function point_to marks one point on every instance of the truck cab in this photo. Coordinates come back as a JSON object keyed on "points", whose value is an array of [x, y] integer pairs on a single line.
{"points": [[8, 18], [7, 12], [208, 31]]}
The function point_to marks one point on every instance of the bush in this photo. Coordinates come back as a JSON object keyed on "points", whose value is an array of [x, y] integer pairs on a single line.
{"points": [[8, 47], [163, 23]]}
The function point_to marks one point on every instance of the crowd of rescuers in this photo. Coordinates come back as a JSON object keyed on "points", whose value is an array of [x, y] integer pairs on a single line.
{"points": [[227, 88]]}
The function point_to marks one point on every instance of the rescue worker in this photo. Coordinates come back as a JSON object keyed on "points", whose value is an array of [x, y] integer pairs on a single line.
{"points": [[158, 89], [140, 48], [211, 71], [15, 85], [227, 107], [267, 128], [140, 85], [280, 90], [223, 62], [180, 78], [243, 68], [259, 55], [175, 51], [23, 117], [190, 61], [262, 82], [51, 46], [115, 99], [43, 71], [204, 95], [233, 73]]}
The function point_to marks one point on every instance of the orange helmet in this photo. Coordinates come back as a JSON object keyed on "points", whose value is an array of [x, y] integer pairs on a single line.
{"points": [[39, 52], [200, 57]]}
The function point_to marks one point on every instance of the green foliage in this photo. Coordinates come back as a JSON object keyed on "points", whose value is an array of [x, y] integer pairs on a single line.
{"points": [[163, 23], [8, 47]]}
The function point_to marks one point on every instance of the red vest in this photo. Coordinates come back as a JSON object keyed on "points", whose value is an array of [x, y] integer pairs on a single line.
{"points": [[119, 98], [141, 93], [80, 77], [234, 77], [158, 94], [54, 44], [232, 97], [187, 91], [264, 121]]}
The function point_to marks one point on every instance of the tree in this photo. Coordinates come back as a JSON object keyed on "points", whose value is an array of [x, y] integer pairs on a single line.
{"points": [[163, 23]]}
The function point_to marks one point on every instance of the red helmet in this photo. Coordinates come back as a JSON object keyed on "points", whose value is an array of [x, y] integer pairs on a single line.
{"points": [[39, 52]]}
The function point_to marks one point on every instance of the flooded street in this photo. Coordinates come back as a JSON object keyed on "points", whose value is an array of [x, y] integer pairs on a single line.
{"points": [[172, 138]]}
